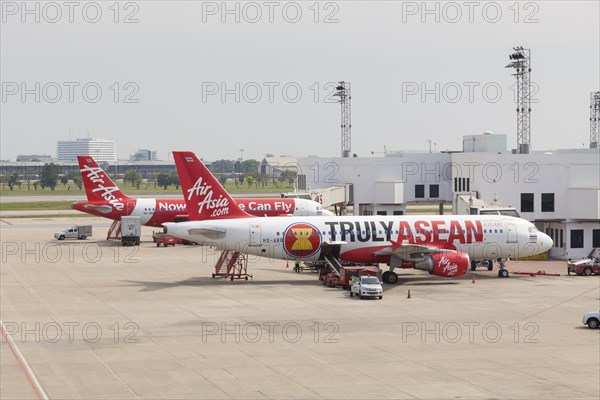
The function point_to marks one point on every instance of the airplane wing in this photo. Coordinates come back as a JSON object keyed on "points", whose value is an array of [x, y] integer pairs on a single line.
{"points": [[330, 243], [103, 208], [411, 252], [211, 233]]}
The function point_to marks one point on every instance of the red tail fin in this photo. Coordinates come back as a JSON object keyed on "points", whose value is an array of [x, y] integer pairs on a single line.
{"points": [[98, 186], [204, 196]]}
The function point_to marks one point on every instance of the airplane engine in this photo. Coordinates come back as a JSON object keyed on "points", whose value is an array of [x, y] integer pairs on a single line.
{"points": [[445, 264]]}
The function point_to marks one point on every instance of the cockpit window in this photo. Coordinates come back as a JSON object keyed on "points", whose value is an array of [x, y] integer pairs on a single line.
{"points": [[533, 229], [510, 213], [488, 212]]}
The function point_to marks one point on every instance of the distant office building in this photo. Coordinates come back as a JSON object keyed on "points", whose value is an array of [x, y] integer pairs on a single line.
{"points": [[486, 143], [100, 149], [143, 155], [34, 157]]}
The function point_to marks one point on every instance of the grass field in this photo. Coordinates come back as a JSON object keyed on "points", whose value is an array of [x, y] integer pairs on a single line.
{"points": [[49, 215], [36, 205]]}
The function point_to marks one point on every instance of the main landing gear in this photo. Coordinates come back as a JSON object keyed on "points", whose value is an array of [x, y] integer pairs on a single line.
{"points": [[390, 277]]}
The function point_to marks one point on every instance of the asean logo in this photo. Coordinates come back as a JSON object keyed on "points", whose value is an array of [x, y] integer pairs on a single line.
{"points": [[301, 240]]}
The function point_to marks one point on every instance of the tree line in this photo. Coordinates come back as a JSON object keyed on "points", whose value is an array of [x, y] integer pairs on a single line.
{"points": [[49, 177], [247, 171]]}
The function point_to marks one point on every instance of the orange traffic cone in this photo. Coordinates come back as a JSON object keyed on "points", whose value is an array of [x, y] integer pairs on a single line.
{"points": [[473, 280], [408, 297], [287, 264]]}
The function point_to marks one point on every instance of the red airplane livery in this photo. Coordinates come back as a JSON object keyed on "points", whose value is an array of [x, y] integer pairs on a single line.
{"points": [[105, 199], [442, 245]]}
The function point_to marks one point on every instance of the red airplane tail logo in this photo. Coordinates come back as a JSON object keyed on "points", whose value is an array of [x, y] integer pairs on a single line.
{"points": [[98, 186], [204, 195]]}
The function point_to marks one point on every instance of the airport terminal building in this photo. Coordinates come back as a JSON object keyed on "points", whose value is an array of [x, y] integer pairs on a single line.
{"points": [[557, 190]]}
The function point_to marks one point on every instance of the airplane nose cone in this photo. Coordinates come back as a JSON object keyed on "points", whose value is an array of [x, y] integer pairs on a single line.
{"points": [[327, 213], [546, 242]]}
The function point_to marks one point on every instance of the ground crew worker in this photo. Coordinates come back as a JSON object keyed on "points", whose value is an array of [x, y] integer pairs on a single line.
{"points": [[568, 266]]}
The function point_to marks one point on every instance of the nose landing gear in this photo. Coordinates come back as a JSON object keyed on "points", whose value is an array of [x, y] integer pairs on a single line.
{"points": [[502, 272]]}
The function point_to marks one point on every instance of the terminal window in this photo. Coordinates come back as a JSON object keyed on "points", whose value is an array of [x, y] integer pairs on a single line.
{"points": [[562, 242], [547, 202], [462, 184], [434, 191], [419, 191], [526, 202], [595, 238], [577, 238]]}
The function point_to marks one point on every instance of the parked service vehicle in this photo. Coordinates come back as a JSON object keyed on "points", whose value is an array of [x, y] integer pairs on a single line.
{"points": [[489, 264], [592, 319], [347, 272], [168, 240], [366, 286], [131, 231], [80, 232], [164, 239]]}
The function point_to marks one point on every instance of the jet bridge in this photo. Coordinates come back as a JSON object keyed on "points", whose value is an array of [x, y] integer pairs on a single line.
{"points": [[469, 203], [335, 196]]}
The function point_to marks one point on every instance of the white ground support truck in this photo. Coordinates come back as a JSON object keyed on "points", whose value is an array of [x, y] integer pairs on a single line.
{"points": [[80, 232], [131, 231]]}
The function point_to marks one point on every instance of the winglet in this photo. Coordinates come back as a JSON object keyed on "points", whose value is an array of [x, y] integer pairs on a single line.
{"points": [[98, 186], [204, 196]]}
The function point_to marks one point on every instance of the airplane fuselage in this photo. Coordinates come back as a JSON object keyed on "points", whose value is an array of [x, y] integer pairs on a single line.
{"points": [[368, 238], [156, 211]]}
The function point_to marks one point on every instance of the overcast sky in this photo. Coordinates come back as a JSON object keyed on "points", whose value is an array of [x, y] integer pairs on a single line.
{"points": [[162, 75]]}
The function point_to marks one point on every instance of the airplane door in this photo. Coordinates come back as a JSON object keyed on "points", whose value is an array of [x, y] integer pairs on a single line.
{"points": [[130, 207], [511, 231], [255, 235]]}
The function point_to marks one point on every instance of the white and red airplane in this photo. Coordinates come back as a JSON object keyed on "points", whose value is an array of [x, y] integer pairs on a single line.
{"points": [[443, 245], [106, 200]]}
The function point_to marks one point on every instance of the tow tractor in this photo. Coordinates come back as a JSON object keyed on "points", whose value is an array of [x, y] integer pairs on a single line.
{"points": [[168, 240], [164, 239], [587, 266]]}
